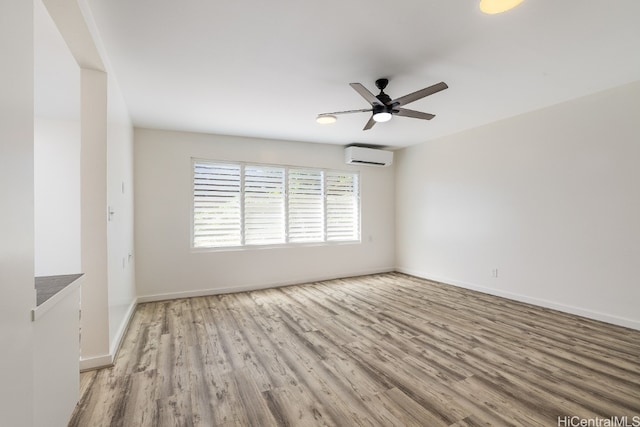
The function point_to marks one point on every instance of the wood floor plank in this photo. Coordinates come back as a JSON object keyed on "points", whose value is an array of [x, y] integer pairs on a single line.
{"points": [[407, 411], [418, 385], [379, 350], [295, 405]]}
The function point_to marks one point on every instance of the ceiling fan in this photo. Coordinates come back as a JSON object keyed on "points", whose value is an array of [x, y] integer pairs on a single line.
{"points": [[383, 107]]}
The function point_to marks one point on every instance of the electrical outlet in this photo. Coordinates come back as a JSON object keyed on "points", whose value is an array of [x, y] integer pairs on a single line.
{"points": [[494, 273]]}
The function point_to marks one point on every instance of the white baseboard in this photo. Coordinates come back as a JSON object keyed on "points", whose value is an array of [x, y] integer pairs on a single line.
{"points": [[578, 311], [252, 287], [96, 362], [117, 342], [106, 360]]}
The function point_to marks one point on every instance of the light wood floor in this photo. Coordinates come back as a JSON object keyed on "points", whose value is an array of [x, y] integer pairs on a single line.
{"points": [[383, 350]]}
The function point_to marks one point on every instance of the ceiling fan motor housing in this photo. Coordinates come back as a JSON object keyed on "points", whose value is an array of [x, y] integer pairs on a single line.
{"points": [[383, 97], [380, 109]]}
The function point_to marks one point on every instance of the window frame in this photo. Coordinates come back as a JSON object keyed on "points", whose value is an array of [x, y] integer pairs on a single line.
{"points": [[243, 245]]}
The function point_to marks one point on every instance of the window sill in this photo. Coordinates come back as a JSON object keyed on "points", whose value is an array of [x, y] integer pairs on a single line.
{"points": [[276, 246]]}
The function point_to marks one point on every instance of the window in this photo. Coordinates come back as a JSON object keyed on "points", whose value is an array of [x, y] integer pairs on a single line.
{"points": [[263, 205], [342, 206], [248, 205], [306, 205], [217, 205]]}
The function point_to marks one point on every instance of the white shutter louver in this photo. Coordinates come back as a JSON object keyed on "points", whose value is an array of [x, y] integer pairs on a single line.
{"points": [[217, 217], [306, 205], [342, 201], [264, 210], [236, 205]]}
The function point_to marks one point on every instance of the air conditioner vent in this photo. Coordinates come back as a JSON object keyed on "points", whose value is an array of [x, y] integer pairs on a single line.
{"points": [[368, 156]]}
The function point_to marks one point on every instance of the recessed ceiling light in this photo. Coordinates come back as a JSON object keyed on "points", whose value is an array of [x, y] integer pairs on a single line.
{"points": [[326, 119], [491, 7]]}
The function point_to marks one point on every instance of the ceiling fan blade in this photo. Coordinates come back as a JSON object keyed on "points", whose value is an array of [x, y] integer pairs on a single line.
{"points": [[403, 100], [369, 124], [364, 92], [415, 114], [346, 112]]}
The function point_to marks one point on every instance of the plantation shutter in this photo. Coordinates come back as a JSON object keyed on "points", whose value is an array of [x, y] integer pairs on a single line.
{"points": [[217, 217], [306, 205], [342, 204], [237, 204], [264, 207]]}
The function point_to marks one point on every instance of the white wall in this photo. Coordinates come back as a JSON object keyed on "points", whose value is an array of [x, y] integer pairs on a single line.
{"points": [[165, 264], [56, 150], [94, 344], [108, 293], [57, 196], [16, 213], [550, 198], [106, 161], [122, 292], [56, 220]]}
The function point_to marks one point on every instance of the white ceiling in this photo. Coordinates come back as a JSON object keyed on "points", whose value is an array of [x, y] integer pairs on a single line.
{"points": [[267, 68]]}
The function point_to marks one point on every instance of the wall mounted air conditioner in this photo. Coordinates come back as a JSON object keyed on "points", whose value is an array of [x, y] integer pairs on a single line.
{"points": [[367, 156]]}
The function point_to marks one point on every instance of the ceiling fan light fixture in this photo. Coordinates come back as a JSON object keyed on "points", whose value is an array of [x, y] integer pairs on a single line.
{"points": [[491, 7], [382, 117], [326, 119]]}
